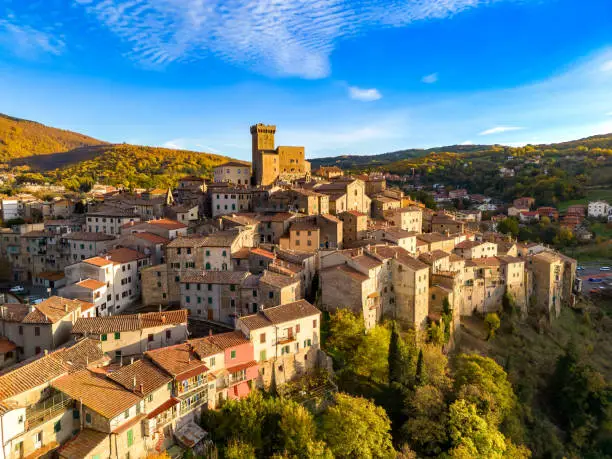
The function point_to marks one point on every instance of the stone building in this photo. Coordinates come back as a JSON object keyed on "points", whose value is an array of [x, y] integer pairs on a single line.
{"points": [[271, 164]]}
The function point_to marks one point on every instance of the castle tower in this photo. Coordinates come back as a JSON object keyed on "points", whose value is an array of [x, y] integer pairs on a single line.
{"points": [[264, 160]]}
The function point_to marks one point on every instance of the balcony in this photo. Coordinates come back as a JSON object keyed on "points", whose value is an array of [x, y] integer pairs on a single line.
{"points": [[192, 401], [41, 412]]}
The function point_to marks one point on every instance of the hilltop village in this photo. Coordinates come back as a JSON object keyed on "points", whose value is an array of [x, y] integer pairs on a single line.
{"points": [[159, 304]]}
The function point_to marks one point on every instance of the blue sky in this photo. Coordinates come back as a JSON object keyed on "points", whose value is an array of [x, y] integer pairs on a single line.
{"points": [[337, 76]]}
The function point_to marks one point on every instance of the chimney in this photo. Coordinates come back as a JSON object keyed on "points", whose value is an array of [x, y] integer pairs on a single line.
{"points": [[65, 307], [134, 383], [131, 360], [46, 351], [210, 332], [141, 388]]}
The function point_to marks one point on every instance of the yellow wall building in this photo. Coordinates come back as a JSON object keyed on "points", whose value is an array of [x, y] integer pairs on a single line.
{"points": [[270, 163]]}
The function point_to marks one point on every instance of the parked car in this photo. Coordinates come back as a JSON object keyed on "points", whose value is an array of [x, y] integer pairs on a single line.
{"points": [[595, 280], [605, 268], [580, 268], [17, 289]]}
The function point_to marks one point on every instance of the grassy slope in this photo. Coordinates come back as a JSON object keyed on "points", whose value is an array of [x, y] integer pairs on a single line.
{"points": [[21, 138]]}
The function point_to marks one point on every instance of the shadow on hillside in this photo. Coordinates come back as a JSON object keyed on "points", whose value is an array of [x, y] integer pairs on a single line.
{"points": [[52, 161]]}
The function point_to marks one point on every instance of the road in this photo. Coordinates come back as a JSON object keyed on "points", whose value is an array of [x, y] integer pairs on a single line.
{"points": [[591, 270]]}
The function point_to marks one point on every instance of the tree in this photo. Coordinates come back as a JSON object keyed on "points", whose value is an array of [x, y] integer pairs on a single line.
{"points": [[483, 382], [237, 449], [372, 357], [435, 334], [471, 436], [419, 368], [346, 332], [427, 424], [355, 427], [508, 303], [508, 226], [493, 323], [402, 358], [298, 433]]}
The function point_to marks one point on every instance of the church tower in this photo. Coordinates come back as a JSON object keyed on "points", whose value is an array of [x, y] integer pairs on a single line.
{"points": [[264, 159]]}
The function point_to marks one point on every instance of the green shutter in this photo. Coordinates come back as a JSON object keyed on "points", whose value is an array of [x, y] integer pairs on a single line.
{"points": [[130, 438], [58, 426], [103, 337], [262, 355], [117, 335]]}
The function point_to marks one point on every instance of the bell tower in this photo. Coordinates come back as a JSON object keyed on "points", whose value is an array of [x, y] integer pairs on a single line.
{"points": [[262, 137]]}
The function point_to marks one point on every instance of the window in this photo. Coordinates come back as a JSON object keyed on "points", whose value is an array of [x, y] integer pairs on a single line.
{"points": [[270, 294], [188, 299], [118, 355], [233, 354], [297, 328], [150, 337], [211, 362], [36, 331], [232, 288], [262, 355], [117, 335], [126, 414], [37, 350], [57, 426], [88, 418], [187, 286], [208, 253], [307, 342], [262, 338], [168, 334], [208, 266], [21, 330], [130, 438]]}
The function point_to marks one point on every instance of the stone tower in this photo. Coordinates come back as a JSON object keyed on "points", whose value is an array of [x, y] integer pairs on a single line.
{"points": [[265, 159]]}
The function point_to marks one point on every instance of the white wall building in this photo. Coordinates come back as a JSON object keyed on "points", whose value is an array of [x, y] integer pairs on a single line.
{"points": [[598, 209]]}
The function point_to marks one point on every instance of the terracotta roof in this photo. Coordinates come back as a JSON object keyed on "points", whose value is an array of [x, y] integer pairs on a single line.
{"points": [[367, 261], [30, 375], [87, 236], [234, 164], [478, 262], [91, 284], [352, 272], [6, 345], [155, 238], [125, 255], [83, 444], [38, 234], [204, 347], [163, 407], [177, 360], [97, 392], [215, 277], [14, 312], [280, 314], [141, 372], [128, 322], [354, 213], [187, 241], [167, 223], [275, 217], [411, 262], [82, 354], [52, 310], [98, 261], [242, 253], [51, 275], [263, 253], [229, 339], [430, 257], [277, 280]]}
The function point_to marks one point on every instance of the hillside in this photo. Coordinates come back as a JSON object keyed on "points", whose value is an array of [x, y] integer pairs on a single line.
{"points": [[39, 153], [552, 173], [364, 161], [134, 166], [21, 138]]}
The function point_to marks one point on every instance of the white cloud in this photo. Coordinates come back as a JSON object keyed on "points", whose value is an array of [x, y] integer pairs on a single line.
{"points": [[500, 129], [467, 142], [365, 95], [429, 79], [285, 38], [189, 144], [607, 66], [28, 41]]}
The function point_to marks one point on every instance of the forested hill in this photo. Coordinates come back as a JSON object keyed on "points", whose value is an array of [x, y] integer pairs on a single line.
{"points": [[21, 138], [37, 154], [396, 161], [363, 161]]}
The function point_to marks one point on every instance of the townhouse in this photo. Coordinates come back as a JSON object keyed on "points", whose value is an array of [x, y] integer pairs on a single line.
{"points": [[407, 218], [285, 339], [108, 219], [130, 335]]}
